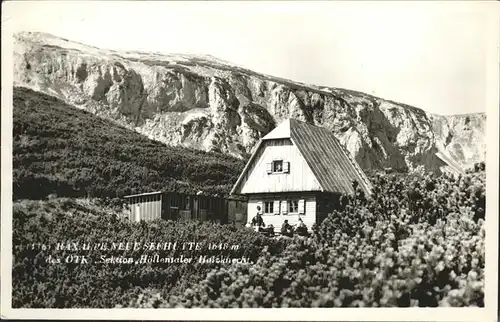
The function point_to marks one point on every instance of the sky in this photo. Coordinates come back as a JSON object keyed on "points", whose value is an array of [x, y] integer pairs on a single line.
{"points": [[430, 55]]}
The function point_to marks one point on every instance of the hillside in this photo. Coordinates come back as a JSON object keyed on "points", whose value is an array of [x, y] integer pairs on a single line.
{"points": [[60, 149], [203, 103], [418, 242]]}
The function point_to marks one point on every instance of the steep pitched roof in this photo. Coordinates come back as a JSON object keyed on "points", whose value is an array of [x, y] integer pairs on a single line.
{"points": [[282, 131], [332, 165], [452, 165]]}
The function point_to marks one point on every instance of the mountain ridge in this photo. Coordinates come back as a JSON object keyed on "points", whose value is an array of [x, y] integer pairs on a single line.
{"points": [[197, 102], [229, 64]]}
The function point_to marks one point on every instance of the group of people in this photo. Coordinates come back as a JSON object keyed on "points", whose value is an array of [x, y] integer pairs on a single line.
{"points": [[286, 228], [259, 225]]}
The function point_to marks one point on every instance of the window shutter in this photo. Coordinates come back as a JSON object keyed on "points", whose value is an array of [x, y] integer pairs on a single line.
{"points": [[269, 168], [286, 167], [302, 209], [261, 205], [284, 207], [276, 207]]}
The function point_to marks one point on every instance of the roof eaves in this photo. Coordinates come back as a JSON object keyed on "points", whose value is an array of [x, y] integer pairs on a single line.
{"points": [[247, 166], [450, 162], [365, 182], [144, 194]]}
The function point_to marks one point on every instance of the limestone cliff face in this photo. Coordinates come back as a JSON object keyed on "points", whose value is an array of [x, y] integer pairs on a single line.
{"points": [[461, 136], [205, 103]]}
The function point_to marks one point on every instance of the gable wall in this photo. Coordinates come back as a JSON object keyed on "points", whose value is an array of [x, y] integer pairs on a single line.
{"points": [[299, 178]]}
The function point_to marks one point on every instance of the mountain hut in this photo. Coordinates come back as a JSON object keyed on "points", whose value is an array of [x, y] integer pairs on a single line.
{"points": [[298, 170]]}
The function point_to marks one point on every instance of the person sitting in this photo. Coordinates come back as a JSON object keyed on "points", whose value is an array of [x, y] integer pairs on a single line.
{"points": [[270, 230], [302, 229], [257, 221], [286, 229]]}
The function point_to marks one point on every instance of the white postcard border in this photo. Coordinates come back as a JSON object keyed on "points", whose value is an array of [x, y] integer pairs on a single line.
{"points": [[489, 313]]}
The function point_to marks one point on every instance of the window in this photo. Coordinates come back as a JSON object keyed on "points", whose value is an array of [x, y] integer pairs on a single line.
{"points": [[174, 202], [269, 207], [278, 166], [293, 206], [296, 206]]}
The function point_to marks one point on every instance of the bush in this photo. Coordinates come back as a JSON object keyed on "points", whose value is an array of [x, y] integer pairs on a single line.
{"points": [[417, 242], [58, 149], [38, 284]]}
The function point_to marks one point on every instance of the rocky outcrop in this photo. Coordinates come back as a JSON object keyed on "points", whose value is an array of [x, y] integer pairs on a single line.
{"points": [[208, 104], [461, 136]]}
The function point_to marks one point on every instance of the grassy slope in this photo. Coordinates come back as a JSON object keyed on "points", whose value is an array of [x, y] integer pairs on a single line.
{"points": [[60, 149]]}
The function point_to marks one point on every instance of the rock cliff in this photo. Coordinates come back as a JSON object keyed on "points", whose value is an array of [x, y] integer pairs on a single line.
{"points": [[461, 136], [209, 104]]}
